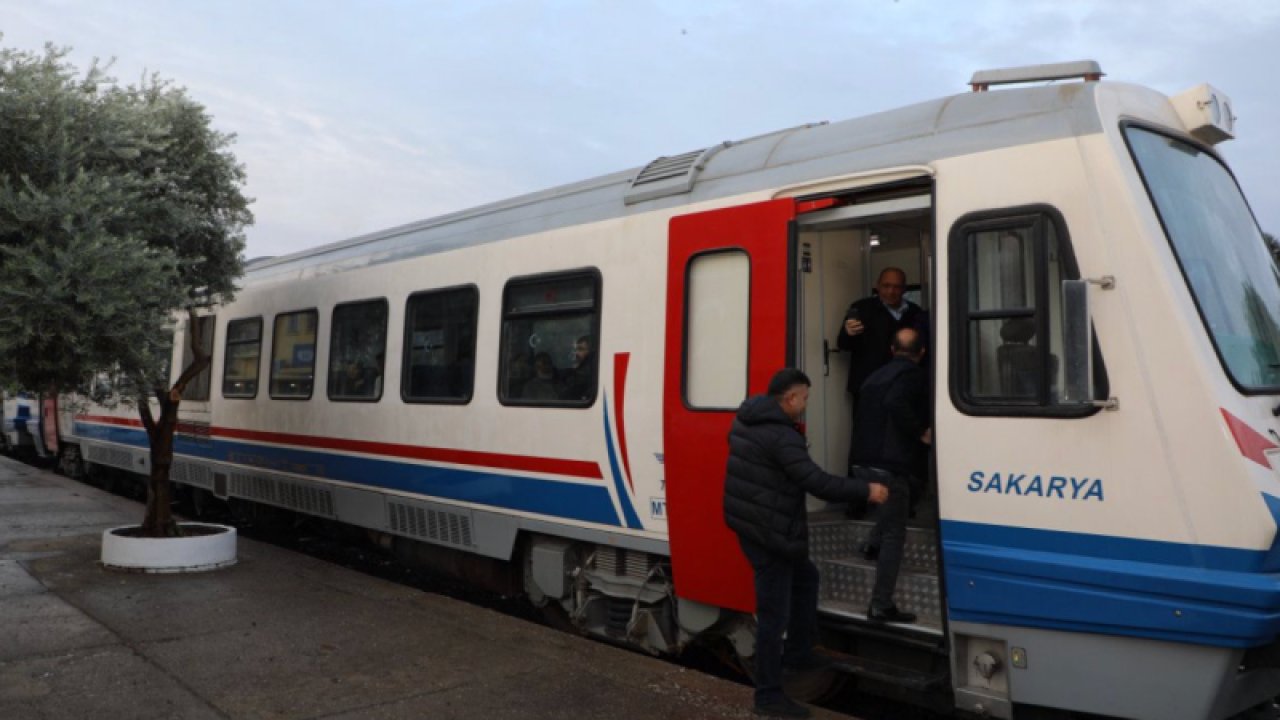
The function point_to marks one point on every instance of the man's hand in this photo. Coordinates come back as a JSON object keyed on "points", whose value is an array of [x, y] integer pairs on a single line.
{"points": [[927, 437], [879, 493], [853, 327]]}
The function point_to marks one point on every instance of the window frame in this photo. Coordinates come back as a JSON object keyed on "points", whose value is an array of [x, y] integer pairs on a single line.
{"points": [[333, 330], [1035, 220], [597, 312], [406, 369], [226, 359], [275, 338]]}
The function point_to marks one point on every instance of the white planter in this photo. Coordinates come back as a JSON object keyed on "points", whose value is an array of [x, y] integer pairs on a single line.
{"points": [[196, 553]]}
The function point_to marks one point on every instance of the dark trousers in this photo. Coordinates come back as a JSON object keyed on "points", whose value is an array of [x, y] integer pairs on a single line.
{"points": [[786, 599], [853, 427], [890, 535]]}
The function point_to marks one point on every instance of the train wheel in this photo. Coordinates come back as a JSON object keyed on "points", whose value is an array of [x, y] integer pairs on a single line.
{"points": [[71, 465]]}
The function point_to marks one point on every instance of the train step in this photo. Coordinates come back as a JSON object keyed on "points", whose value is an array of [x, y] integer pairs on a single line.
{"points": [[832, 536], [847, 578], [890, 673]]}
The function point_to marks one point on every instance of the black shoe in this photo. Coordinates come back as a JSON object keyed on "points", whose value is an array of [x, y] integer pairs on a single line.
{"points": [[870, 552], [813, 662], [784, 707], [890, 615]]}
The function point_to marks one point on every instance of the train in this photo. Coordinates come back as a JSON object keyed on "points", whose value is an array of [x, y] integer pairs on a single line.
{"points": [[24, 430], [538, 392]]}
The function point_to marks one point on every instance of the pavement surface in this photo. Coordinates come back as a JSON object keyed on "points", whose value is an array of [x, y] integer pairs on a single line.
{"points": [[282, 635]]}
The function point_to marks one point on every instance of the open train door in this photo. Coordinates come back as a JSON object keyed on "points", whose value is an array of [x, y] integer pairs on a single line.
{"points": [[728, 301]]}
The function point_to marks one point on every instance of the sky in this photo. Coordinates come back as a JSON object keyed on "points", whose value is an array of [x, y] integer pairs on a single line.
{"points": [[352, 117]]}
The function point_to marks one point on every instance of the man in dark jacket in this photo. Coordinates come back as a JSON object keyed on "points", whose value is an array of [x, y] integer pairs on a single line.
{"points": [[869, 326], [891, 431], [768, 474]]}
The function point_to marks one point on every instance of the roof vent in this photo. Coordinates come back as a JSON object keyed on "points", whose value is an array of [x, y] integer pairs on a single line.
{"points": [[669, 175], [1087, 70]]}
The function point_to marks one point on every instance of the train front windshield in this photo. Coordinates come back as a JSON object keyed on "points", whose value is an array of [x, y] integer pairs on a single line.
{"points": [[1223, 254]]}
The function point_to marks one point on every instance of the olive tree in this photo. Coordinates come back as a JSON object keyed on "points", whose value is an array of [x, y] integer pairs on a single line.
{"points": [[121, 209]]}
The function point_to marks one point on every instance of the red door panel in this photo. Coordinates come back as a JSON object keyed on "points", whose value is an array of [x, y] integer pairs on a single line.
{"points": [[706, 560]]}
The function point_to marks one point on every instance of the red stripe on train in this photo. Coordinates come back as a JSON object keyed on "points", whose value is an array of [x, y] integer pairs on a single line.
{"points": [[526, 463], [620, 361]]}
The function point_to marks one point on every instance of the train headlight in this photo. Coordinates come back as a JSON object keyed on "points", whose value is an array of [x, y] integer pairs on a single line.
{"points": [[1206, 113]]}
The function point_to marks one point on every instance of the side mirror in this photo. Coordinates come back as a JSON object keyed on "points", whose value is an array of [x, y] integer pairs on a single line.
{"points": [[1077, 343]]}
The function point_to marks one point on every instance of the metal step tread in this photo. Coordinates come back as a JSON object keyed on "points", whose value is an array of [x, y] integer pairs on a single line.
{"points": [[926, 624], [910, 564], [838, 538], [847, 586]]}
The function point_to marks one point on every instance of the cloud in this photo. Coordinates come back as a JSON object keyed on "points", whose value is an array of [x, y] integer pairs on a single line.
{"points": [[351, 118]]}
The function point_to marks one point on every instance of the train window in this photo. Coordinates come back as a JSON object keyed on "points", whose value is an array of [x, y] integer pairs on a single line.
{"points": [[1004, 350], [244, 349], [1226, 259], [198, 388], [717, 308], [357, 351], [549, 354], [440, 346], [1007, 273], [293, 355]]}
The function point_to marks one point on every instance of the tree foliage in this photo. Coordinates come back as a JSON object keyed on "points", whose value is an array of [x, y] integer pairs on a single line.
{"points": [[118, 205]]}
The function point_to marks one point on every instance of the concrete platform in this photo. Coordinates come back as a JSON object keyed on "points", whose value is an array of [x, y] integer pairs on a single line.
{"points": [[283, 636]]}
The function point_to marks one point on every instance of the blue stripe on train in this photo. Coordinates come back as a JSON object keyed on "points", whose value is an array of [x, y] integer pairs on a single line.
{"points": [[1121, 586], [573, 501], [628, 510]]}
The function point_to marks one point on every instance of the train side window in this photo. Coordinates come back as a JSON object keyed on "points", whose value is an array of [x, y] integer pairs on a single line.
{"points": [[550, 347], [1007, 272], [293, 355], [440, 346], [244, 350], [357, 351], [717, 307], [198, 388]]}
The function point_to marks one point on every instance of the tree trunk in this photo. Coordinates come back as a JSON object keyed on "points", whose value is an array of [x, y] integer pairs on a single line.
{"points": [[159, 521]]}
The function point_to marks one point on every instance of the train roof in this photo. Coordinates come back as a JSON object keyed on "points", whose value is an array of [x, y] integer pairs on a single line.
{"points": [[914, 135]]}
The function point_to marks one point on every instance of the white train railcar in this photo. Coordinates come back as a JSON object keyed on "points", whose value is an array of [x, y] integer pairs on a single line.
{"points": [[26, 424], [548, 382]]}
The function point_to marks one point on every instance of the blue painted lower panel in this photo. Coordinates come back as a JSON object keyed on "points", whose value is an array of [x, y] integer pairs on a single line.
{"points": [[1120, 586], [571, 501]]}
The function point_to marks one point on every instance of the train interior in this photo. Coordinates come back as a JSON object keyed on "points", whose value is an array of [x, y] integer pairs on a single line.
{"points": [[841, 252]]}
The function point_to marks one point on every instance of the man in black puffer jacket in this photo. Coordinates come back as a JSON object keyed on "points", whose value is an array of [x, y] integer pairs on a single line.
{"points": [[768, 474], [891, 432]]}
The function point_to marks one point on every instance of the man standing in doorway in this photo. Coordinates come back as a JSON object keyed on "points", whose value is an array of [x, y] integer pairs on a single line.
{"points": [[768, 473], [869, 326], [891, 431]]}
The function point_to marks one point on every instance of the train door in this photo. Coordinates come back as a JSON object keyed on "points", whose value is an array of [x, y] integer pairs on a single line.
{"points": [[841, 251], [728, 306]]}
